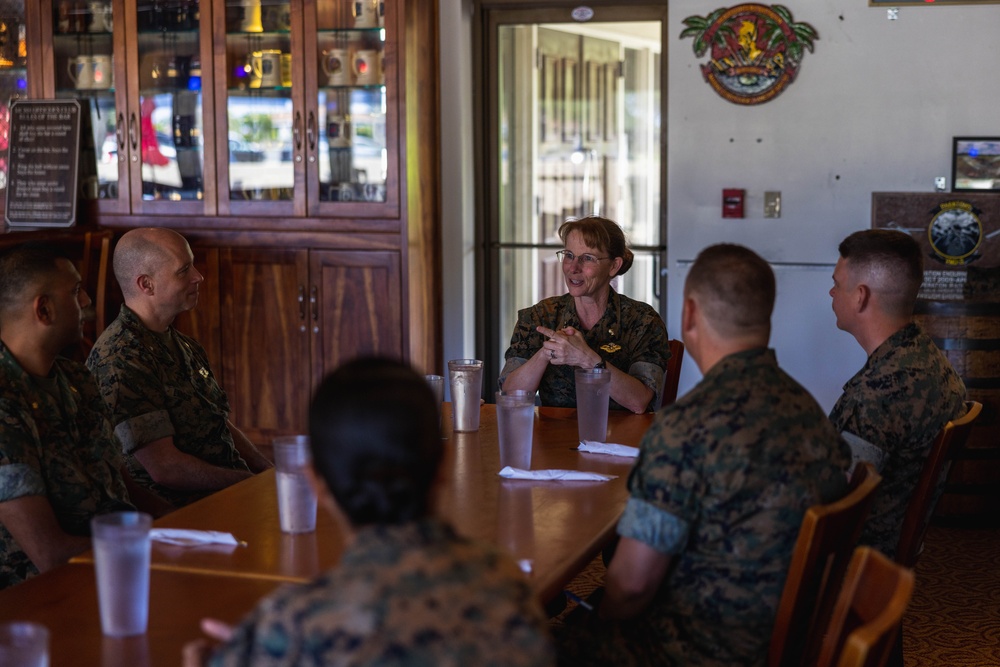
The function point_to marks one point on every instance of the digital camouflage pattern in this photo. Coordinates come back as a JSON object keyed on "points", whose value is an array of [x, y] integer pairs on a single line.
{"points": [[638, 331], [899, 401], [723, 479], [56, 442], [158, 385], [409, 595]]}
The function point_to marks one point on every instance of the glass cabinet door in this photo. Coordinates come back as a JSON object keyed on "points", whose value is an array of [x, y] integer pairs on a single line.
{"points": [[137, 67], [352, 160], [13, 73], [84, 67], [166, 125], [262, 127]]}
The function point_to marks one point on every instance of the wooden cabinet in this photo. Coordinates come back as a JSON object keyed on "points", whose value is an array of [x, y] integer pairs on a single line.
{"points": [[234, 107], [291, 315], [273, 135]]}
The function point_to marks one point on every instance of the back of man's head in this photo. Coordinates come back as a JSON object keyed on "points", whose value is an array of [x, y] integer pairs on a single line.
{"points": [[735, 290], [24, 271], [138, 252], [376, 441], [889, 262]]}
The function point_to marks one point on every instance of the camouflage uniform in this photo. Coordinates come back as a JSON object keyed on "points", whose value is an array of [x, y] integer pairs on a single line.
{"points": [[57, 442], [414, 594], [723, 480], [638, 334], [899, 401], [159, 385]]}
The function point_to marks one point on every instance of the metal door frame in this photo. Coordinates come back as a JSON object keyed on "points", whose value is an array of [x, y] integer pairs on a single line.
{"points": [[490, 15]]}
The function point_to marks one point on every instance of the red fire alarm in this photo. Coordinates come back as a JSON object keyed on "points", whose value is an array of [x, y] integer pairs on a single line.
{"points": [[732, 203]]}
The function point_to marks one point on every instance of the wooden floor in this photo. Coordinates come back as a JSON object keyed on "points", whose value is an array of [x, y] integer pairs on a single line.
{"points": [[954, 617]]}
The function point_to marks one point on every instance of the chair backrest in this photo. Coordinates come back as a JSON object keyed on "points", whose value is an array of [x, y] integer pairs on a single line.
{"points": [[948, 444], [822, 551], [869, 611], [673, 375]]}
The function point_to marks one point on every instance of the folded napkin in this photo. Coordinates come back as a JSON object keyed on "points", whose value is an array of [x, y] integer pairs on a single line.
{"points": [[563, 475], [595, 447], [192, 538]]}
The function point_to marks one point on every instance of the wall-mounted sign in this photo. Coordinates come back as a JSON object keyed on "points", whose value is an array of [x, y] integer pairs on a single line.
{"points": [[43, 157], [955, 232], [755, 50]]}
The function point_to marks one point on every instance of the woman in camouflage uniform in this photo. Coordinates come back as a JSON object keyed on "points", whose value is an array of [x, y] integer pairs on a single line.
{"points": [[408, 590], [589, 326]]}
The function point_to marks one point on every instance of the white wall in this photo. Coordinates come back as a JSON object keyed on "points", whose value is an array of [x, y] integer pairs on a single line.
{"points": [[874, 108]]}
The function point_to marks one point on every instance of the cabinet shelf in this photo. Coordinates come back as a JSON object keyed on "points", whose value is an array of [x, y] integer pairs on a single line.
{"points": [[263, 91], [86, 92], [262, 34], [366, 31]]}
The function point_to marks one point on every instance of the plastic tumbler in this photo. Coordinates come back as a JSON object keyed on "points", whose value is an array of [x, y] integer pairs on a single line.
{"points": [[296, 500], [436, 383], [24, 644], [466, 377], [515, 423], [593, 390], [121, 558]]}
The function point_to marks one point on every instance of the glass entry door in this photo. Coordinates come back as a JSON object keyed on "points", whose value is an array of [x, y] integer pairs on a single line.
{"points": [[573, 130]]}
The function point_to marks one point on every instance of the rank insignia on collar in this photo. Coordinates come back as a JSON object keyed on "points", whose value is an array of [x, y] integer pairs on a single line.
{"points": [[611, 348], [202, 372]]}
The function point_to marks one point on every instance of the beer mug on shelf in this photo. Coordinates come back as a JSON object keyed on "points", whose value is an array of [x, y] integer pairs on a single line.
{"points": [[265, 68], [104, 71], [338, 131], [336, 68], [366, 13], [286, 70], [252, 21], [81, 72], [367, 67], [100, 17]]}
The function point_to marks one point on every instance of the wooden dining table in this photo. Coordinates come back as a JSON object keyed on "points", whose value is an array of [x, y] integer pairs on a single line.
{"points": [[552, 528]]}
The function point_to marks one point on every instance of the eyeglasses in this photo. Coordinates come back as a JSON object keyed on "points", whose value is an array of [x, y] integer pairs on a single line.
{"points": [[587, 259]]}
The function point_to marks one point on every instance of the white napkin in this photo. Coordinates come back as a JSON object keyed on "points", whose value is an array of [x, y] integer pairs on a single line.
{"points": [[595, 447], [563, 475], [192, 538]]}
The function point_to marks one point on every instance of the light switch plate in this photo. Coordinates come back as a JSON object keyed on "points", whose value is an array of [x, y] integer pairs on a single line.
{"points": [[772, 204]]}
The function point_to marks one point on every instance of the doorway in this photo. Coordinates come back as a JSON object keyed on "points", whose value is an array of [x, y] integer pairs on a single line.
{"points": [[572, 124]]}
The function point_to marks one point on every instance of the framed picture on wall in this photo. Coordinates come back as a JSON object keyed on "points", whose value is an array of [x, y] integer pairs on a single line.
{"points": [[975, 164]]}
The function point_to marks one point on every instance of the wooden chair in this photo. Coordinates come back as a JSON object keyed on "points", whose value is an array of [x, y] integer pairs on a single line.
{"points": [[673, 374], [822, 551], [948, 444], [869, 612]]}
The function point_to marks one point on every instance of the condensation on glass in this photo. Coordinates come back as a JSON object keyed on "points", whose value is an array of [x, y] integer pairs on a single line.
{"points": [[578, 134], [13, 71]]}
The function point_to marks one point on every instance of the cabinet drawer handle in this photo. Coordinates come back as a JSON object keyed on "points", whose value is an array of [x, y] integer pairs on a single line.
{"points": [[120, 136], [132, 137], [311, 132], [302, 302], [297, 131], [314, 302]]}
